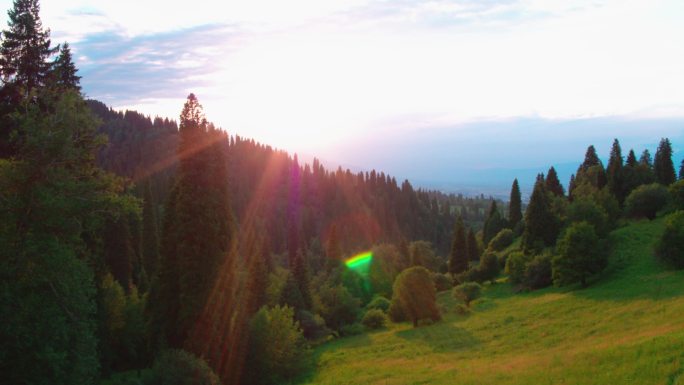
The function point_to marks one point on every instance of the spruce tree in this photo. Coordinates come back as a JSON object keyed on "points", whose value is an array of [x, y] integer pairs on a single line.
{"points": [[571, 187], [681, 170], [614, 173], [25, 48], [63, 73], [199, 224], [541, 226], [590, 159], [515, 205], [554, 185], [300, 272], [150, 233], [631, 159], [645, 159], [493, 224], [458, 258], [662, 164], [257, 281], [471, 244]]}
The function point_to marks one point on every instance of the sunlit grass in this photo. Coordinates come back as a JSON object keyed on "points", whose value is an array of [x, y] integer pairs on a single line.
{"points": [[626, 328]]}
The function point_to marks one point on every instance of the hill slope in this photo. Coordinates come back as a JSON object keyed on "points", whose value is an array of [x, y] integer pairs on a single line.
{"points": [[626, 328]]}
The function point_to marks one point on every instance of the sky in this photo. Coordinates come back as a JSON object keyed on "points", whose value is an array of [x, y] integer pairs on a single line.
{"points": [[447, 93]]}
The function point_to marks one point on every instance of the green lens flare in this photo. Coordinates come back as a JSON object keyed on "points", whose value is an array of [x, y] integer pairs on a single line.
{"points": [[359, 261]]}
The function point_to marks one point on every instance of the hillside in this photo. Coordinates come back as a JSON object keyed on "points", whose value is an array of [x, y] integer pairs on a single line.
{"points": [[626, 328]]}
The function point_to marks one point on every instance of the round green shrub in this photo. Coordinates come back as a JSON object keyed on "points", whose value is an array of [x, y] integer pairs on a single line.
{"points": [[538, 272], [178, 367], [515, 266], [502, 240], [677, 194], [670, 248], [374, 319], [646, 200], [379, 302], [442, 282], [467, 292]]}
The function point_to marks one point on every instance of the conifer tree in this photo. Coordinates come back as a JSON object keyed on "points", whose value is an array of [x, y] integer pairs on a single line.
{"points": [[493, 224], [541, 226], [681, 170], [571, 187], [458, 258], [471, 244], [515, 205], [118, 250], [645, 159], [199, 224], [590, 159], [150, 233], [25, 48], [257, 281], [333, 250], [631, 159], [300, 272], [614, 172], [662, 164], [554, 185], [63, 72]]}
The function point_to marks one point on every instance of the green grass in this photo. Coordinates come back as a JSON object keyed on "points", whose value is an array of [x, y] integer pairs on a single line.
{"points": [[626, 328]]}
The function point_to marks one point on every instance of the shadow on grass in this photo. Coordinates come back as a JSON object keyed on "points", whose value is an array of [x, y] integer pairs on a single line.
{"points": [[344, 342], [441, 337]]}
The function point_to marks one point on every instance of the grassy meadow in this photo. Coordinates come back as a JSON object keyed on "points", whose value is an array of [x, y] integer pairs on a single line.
{"points": [[627, 327]]}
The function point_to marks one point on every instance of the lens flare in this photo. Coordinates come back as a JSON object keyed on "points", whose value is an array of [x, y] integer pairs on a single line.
{"points": [[360, 262]]}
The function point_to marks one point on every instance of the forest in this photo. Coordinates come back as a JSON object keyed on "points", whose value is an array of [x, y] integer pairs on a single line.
{"points": [[150, 250]]}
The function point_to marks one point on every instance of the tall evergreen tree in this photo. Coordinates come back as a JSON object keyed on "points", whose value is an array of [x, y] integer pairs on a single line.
{"points": [[590, 159], [554, 185], [681, 170], [571, 187], [493, 224], [199, 224], [645, 159], [631, 159], [150, 233], [541, 226], [63, 72], [662, 164], [614, 172], [118, 250], [458, 258], [471, 244], [515, 205], [257, 281], [300, 272]]}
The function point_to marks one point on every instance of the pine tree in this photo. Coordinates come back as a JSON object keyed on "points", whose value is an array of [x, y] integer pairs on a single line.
{"points": [[25, 48], [631, 159], [300, 272], [681, 170], [590, 159], [645, 159], [333, 250], [662, 165], [471, 245], [199, 224], [614, 172], [541, 226], [515, 205], [257, 281], [118, 250], [63, 73], [150, 233], [554, 185], [493, 224], [571, 187], [458, 258]]}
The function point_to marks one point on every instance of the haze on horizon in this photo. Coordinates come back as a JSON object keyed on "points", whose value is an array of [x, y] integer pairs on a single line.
{"points": [[446, 93]]}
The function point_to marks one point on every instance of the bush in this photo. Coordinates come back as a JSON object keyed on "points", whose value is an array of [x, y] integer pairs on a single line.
{"points": [[313, 325], [178, 367], [396, 312], [677, 194], [374, 319], [489, 265], [470, 275], [379, 302], [442, 281], [588, 210], [415, 293], [337, 306], [515, 266], [277, 349], [646, 200], [579, 255], [352, 329], [502, 240], [538, 272], [467, 292], [670, 248]]}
